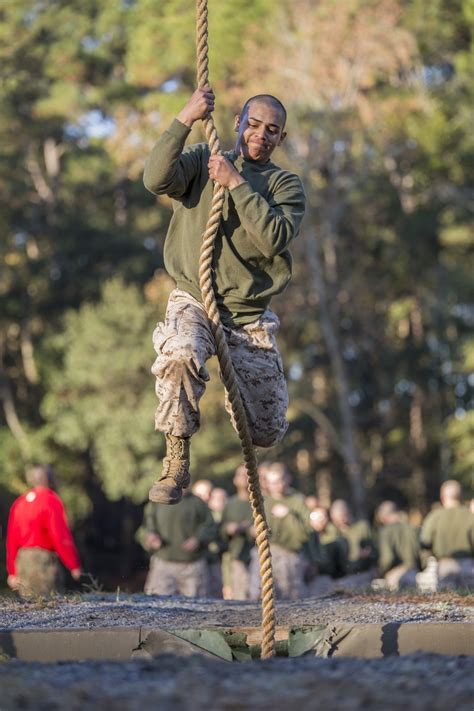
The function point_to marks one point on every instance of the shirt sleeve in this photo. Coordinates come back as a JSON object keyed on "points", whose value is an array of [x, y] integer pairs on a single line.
{"points": [[148, 526], [226, 518], [170, 168], [386, 558], [208, 530], [271, 225], [12, 543], [61, 535], [290, 531], [427, 531], [471, 534]]}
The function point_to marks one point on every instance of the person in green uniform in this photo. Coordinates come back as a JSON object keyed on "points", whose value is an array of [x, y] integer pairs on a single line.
{"points": [[238, 532], [361, 551], [202, 488], [288, 519], [448, 533], [398, 547], [177, 543], [263, 209], [217, 547], [325, 552]]}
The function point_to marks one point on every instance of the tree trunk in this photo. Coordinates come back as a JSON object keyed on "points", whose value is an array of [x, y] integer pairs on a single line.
{"points": [[11, 416], [350, 453]]}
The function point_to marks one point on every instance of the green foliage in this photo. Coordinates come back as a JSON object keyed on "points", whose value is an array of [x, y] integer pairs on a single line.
{"points": [[461, 437], [379, 97], [101, 399]]}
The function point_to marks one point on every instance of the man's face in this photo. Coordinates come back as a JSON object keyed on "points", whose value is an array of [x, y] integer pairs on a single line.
{"points": [[318, 519], [202, 489], [260, 130], [240, 478], [218, 500], [340, 515], [277, 483]]}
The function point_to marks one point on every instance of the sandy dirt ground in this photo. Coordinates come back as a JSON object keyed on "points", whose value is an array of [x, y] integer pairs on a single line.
{"points": [[101, 610], [419, 681]]}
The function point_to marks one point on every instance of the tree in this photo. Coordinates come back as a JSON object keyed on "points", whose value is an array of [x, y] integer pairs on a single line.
{"points": [[375, 326]]}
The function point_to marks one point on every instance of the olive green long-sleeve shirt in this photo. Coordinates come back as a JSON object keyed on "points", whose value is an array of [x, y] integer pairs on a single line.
{"points": [[398, 545], [449, 533], [293, 530], [175, 524], [239, 546], [330, 558], [359, 535], [260, 219]]}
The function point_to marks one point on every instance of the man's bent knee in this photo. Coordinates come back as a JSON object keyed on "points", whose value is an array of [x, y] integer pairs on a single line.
{"points": [[269, 437]]}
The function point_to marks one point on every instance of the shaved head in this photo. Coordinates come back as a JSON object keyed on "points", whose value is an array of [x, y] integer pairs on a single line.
{"points": [[340, 513], [40, 475], [450, 492], [268, 100], [202, 488], [387, 512]]}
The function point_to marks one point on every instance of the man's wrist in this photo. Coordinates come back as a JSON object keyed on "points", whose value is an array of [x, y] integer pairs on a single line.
{"points": [[236, 181], [185, 118]]}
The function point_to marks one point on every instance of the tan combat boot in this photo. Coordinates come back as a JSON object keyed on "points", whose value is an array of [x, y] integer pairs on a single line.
{"points": [[168, 488]]}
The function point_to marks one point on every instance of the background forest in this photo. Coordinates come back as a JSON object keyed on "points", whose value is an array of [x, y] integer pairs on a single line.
{"points": [[376, 326]]}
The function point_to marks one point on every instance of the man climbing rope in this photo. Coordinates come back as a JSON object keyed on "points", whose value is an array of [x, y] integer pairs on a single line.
{"points": [[263, 209]]}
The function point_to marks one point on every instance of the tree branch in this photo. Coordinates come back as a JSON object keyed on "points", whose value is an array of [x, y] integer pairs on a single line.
{"points": [[11, 416]]}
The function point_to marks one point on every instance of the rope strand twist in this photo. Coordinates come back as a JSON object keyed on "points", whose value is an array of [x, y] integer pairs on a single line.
{"points": [[223, 354]]}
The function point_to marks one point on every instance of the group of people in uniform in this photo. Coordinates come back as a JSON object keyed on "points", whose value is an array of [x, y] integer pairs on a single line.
{"points": [[206, 545]]}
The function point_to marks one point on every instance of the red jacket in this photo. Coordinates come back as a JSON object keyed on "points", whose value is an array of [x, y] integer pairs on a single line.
{"points": [[38, 520]]}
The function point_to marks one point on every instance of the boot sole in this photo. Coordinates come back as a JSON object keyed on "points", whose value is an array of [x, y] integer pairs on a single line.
{"points": [[157, 499]]}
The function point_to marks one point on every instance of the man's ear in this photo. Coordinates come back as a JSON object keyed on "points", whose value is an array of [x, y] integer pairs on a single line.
{"points": [[282, 138], [237, 122]]}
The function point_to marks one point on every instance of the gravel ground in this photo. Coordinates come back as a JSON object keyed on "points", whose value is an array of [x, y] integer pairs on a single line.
{"points": [[105, 610], [421, 682], [425, 682]]}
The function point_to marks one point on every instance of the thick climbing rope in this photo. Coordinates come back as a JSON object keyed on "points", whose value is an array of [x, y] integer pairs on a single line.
{"points": [[223, 354]]}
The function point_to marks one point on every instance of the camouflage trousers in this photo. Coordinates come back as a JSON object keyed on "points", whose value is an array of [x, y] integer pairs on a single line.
{"points": [[319, 585], [288, 569], [38, 571], [455, 572], [215, 578], [240, 580], [185, 341], [400, 577], [356, 580], [167, 577]]}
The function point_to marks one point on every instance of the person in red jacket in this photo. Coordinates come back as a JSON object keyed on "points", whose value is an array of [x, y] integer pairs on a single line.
{"points": [[37, 535]]}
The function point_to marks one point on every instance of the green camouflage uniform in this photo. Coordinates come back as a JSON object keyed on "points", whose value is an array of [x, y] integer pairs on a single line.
{"points": [[398, 545], [184, 342], [39, 572], [326, 554], [215, 553], [174, 570], [261, 217], [239, 547], [358, 535], [288, 536], [329, 558], [449, 534], [399, 557]]}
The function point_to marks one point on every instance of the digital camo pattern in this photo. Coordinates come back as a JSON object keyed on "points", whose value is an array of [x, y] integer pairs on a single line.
{"points": [[38, 571], [240, 580], [288, 568], [171, 578], [184, 342]]}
